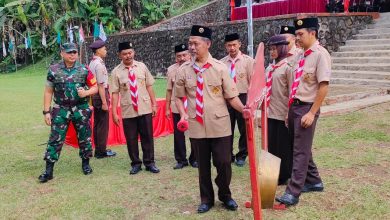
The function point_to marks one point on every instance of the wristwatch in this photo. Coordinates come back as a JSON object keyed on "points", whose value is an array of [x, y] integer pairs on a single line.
{"points": [[45, 112]]}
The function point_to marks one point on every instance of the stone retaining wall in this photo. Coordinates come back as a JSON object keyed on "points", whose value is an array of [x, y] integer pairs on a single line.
{"points": [[156, 48]]}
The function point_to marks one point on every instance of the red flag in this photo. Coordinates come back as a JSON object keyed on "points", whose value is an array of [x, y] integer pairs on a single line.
{"points": [[346, 6]]}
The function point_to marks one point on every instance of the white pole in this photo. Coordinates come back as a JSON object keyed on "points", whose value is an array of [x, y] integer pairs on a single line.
{"points": [[250, 28]]}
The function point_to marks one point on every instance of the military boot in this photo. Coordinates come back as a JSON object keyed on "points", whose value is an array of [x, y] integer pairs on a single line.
{"points": [[86, 167], [48, 174]]}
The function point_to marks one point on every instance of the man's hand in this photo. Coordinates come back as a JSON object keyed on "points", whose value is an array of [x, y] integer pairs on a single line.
{"points": [[82, 92], [115, 118], [307, 120], [286, 120], [184, 117], [104, 107], [47, 119], [168, 114], [154, 110], [246, 113]]}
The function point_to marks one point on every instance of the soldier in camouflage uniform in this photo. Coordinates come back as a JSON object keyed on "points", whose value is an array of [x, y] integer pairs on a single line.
{"points": [[70, 83]]}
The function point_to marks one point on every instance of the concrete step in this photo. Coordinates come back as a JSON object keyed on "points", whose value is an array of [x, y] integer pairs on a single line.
{"points": [[363, 67], [361, 74], [382, 42], [353, 96], [371, 36], [376, 25], [371, 82], [353, 105], [350, 48], [363, 53], [375, 31], [361, 60]]}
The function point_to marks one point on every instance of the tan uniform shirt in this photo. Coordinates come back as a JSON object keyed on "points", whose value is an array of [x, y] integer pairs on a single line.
{"points": [[120, 83], [98, 68], [317, 69], [244, 70], [294, 55], [281, 86], [218, 86], [171, 73]]}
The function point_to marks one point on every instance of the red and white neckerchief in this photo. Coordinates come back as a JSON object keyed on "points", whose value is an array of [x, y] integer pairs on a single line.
{"points": [[185, 102], [233, 74], [133, 88], [297, 77], [199, 91], [268, 83]]}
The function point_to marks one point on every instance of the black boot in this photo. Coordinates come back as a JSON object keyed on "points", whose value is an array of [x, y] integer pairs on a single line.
{"points": [[85, 166], [48, 174]]}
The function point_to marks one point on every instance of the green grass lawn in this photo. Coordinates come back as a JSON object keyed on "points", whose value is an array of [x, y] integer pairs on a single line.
{"points": [[352, 152]]}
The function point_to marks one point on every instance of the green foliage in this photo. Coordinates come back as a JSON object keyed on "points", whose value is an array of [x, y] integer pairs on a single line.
{"points": [[154, 12]]}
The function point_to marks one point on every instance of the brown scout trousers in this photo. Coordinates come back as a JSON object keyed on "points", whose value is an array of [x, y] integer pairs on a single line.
{"points": [[219, 150], [143, 126], [304, 169], [101, 124]]}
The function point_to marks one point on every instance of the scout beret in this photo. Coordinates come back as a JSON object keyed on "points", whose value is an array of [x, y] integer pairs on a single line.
{"points": [[278, 40], [287, 30], [201, 31], [97, 44], [69, 47], [306, 23], [232, 37], [180, 48], [124, 46]]}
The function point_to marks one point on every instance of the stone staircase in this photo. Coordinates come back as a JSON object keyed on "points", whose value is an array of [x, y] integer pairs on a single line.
{"points": [[363, 64]]}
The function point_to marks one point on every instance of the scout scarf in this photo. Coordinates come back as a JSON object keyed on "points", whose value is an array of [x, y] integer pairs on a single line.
{"points": [[199, 91], [297, 77]]}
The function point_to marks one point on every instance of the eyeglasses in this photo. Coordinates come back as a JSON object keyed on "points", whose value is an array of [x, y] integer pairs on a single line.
{"points": [[71, 52]]}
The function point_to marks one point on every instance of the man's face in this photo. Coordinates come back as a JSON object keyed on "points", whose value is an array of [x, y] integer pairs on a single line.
{"points": [[127, 56], [182, 57], [291, 40], [305, 38], [233, 47], [102, 52], [198, 46], [273, 52], [69, 57]]}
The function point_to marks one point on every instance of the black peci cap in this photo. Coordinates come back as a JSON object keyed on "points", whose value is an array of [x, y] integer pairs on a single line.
{"points": [[232, 37], [306, 23], [287, 30], [201, 31], [124, 46], [180, 48]]}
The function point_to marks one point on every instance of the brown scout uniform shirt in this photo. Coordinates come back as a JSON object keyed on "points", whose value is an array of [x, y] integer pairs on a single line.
{"points": [[171, 73], [218, 86], [317, 69], [294, 56], [98, 68], [121, 84], [244, 70], [281, 86]]}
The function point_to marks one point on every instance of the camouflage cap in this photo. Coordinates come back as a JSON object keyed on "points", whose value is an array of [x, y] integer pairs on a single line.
{"points": [[69, 47]]}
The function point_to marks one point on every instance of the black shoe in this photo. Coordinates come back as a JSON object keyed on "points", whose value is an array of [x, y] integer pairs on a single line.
{"points": [[86, 167], [319, 187], [194, 164], [230, 204], [287, 199], [48, 174], [180, 166], [108, 153], [152, 169], [233, 158], [135, 169], [205, 207], [240, 162]]}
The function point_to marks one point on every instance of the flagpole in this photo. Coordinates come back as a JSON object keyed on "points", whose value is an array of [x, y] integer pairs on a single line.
{"points": [[250, 28]]}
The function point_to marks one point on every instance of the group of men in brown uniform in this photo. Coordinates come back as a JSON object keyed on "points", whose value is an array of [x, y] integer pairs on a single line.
{"points": [[210, 95]]}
